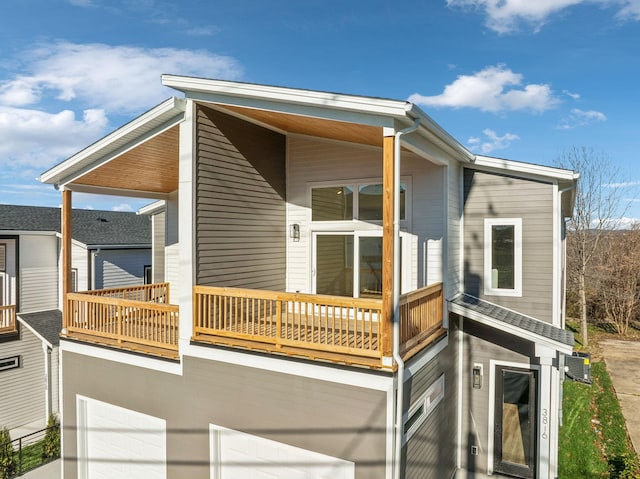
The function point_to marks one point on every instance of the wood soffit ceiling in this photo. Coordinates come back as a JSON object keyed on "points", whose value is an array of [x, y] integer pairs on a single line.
{"points": [[151, 166], [304, 125]]}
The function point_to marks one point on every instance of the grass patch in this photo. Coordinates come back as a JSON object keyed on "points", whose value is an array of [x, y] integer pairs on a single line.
{"points": [[593, 439]]}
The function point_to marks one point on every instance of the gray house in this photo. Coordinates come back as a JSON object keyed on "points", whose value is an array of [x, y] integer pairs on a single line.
{"points": [[347, 292], [109, 249]]}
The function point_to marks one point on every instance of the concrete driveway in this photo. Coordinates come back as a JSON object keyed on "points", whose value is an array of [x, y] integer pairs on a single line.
{"points": [[623, 363]]}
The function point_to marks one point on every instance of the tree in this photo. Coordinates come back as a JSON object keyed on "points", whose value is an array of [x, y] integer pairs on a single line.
{"points": [[7, 458], [597, 209], [618, 270]]}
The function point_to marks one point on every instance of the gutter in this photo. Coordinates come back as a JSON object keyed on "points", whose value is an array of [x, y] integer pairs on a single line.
{"points": [[399, 433]]}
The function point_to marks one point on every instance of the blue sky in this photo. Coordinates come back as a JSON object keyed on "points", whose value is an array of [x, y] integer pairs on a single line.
{"points": [[518, 79]]}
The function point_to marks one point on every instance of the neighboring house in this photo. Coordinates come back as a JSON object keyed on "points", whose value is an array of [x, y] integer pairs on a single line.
{"points": [[353, 294], [109, 249]]}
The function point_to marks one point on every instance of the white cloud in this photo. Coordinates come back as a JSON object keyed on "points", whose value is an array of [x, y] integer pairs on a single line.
{"points": [[115, 78], [506, 16], [33, 138], [577, 118], [575, 96], [122, 207], [492, 141], [95, 81], [496, 88], [624, 184]]}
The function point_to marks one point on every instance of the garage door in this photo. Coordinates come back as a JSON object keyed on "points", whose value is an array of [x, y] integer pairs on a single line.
{"points": [[117, 442], [237, 455]]}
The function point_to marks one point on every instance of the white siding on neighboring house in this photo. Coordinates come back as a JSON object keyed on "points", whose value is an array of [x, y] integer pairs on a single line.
{"points": [[22, 389], [38, 273], [80, 262], [158, 225], [55, 380], [172, 266], [316, 161], [116, 268]]}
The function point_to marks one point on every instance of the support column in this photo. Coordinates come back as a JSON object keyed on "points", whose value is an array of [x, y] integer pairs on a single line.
{"points": [[387, 245], [67, 229]]}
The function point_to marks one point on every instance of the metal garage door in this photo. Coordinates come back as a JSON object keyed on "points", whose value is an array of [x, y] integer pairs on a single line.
{"points": [[117, 442], [237, 455]]}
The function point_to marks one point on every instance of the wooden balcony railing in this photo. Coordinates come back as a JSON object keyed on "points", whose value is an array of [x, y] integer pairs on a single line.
{"points": [[104, 317], [7, 319], [316, 326], [156, 293], [420, 317]]}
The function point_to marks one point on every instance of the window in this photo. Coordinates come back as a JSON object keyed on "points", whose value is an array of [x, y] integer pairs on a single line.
{"points": [[10, 363], [423, 407], [503, 256], [148, 277], [360, 201], [3, 258], [74, 280]]}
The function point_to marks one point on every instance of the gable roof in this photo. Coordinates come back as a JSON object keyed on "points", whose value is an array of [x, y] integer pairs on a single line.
{"points": [[90, 227], [512, 322]]}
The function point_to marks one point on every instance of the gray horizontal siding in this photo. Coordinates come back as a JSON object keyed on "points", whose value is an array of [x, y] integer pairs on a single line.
{"points": [[431, 450], [494, 196], [481, 345], [22, 398], [240, 203], [118, 268], [334, 419]]}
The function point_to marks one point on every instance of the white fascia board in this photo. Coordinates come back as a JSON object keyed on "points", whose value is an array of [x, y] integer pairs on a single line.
{"points": [[35, 333], [440, 135], [152, 208], [163, 116], [511, 329], [27, 232], [119, 246], [531, 170], [235, 90]]}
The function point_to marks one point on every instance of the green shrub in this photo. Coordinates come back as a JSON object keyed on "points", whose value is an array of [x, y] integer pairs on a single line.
{"points": [[7, 458], [51, 449]]}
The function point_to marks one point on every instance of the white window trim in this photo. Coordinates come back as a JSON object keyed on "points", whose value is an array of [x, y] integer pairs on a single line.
{"points": [[12, 362], [355, 184], [428, 403], [488, 224]]}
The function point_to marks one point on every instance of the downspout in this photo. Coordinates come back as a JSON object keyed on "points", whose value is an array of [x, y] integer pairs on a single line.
{"points": [[563, 256], [49, 383], [396, 295]]}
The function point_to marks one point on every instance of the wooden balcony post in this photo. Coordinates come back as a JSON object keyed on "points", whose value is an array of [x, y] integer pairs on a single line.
{"points": [[67, 229], [387, 246]]}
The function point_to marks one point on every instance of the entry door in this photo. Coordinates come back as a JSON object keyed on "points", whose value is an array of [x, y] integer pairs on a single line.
{"points": [[515, 421]]}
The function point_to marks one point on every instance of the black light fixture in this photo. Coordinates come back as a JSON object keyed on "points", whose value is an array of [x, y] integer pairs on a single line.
{"points": [[294, 232]]}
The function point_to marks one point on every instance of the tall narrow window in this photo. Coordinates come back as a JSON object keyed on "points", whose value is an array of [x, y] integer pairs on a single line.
{"points": [[3, 258], [503, 256]]}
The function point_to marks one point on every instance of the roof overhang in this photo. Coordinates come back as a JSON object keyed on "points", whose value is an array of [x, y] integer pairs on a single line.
{"points": [[566, 180], [138, 159], [531, 329]]}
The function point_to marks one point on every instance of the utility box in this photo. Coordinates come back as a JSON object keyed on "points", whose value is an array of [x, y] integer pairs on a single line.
{"points": [[577, 367]]}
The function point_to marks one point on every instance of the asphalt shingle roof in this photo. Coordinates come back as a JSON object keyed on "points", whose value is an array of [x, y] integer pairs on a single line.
{"points": [[513, 318], [91, 227], [47, 323]]}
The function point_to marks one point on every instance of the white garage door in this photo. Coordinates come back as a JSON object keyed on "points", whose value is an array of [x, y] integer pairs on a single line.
{"points": [[117, 442], [237, 455]]}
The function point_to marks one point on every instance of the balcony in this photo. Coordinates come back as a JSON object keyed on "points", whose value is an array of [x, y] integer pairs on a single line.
{"points": [[137, 319], [8, 319], [318, 327]]}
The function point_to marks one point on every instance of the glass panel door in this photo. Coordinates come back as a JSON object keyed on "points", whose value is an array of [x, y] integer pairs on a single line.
{"points": [[515, 422], [334, 264], [370, 267]]}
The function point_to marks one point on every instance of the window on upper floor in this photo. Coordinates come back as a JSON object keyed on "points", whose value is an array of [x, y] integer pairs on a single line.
{"points": [[359, 201], [503, 256]]}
